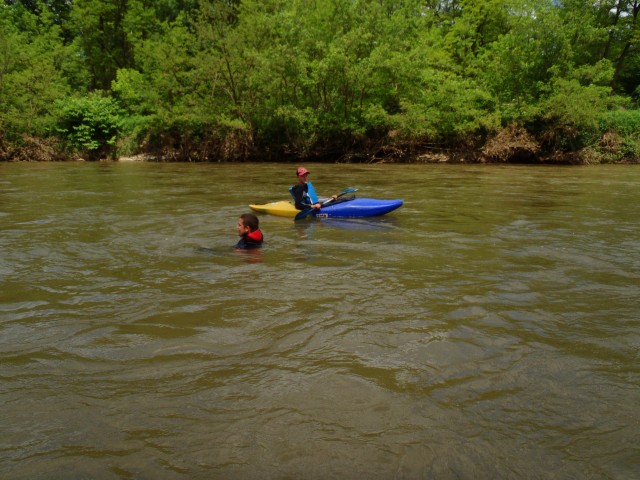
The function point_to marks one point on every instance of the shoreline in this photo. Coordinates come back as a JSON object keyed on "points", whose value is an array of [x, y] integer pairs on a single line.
{"points": [[505, 154]]}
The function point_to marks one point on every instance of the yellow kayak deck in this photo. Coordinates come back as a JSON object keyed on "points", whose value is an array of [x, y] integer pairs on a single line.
{"points": [[281, 209]]}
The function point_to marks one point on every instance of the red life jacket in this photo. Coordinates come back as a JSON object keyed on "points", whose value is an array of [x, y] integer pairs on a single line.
{"points": [[255, 236]]}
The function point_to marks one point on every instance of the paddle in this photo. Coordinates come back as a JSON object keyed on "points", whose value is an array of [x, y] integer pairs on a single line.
{"points": [[304, 213]]}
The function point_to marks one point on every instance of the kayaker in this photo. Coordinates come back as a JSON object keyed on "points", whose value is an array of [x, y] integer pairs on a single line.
{"points": [[303, 193], [249, 232]]}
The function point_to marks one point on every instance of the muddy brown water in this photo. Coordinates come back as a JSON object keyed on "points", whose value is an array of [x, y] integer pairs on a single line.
{"points": [[490, 328]]}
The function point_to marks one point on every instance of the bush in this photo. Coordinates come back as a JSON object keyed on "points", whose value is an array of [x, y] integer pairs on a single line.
{"points": [[624, 125], [134, 134], [624, 122], [90, 124]]}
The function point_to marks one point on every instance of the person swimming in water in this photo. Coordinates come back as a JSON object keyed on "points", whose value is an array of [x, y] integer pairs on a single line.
{"points": [[249, 232]]}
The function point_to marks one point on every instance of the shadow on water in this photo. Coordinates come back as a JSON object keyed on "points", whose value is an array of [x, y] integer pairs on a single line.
{"points": [[371, 224], [215, 252], [249, 256]]}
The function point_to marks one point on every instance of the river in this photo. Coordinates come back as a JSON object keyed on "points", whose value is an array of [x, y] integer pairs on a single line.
{"points": [[489, 328]]}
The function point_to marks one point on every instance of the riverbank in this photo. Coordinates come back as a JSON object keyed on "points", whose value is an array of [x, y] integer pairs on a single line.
{"points": [[512, 145]]}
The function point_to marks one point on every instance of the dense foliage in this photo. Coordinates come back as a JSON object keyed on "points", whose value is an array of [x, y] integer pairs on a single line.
{"points": [[361, 80]]}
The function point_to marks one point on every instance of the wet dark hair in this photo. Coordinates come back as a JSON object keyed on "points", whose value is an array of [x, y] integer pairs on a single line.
{"points": [[251, 221]]}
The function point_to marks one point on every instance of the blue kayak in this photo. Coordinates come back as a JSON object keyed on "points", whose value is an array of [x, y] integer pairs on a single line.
{"points": [[359, 207]]}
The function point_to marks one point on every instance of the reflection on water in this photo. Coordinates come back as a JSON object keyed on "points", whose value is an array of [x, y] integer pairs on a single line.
{"points": [[487, 329]]}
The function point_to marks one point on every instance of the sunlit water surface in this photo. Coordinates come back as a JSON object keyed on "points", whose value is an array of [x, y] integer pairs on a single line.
{"points": [[490, 328]]}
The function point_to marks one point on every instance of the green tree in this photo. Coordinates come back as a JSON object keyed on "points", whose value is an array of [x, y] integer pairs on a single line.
{"points": [[31, 58], [97, 28], [313, 78], [627, 27]]}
